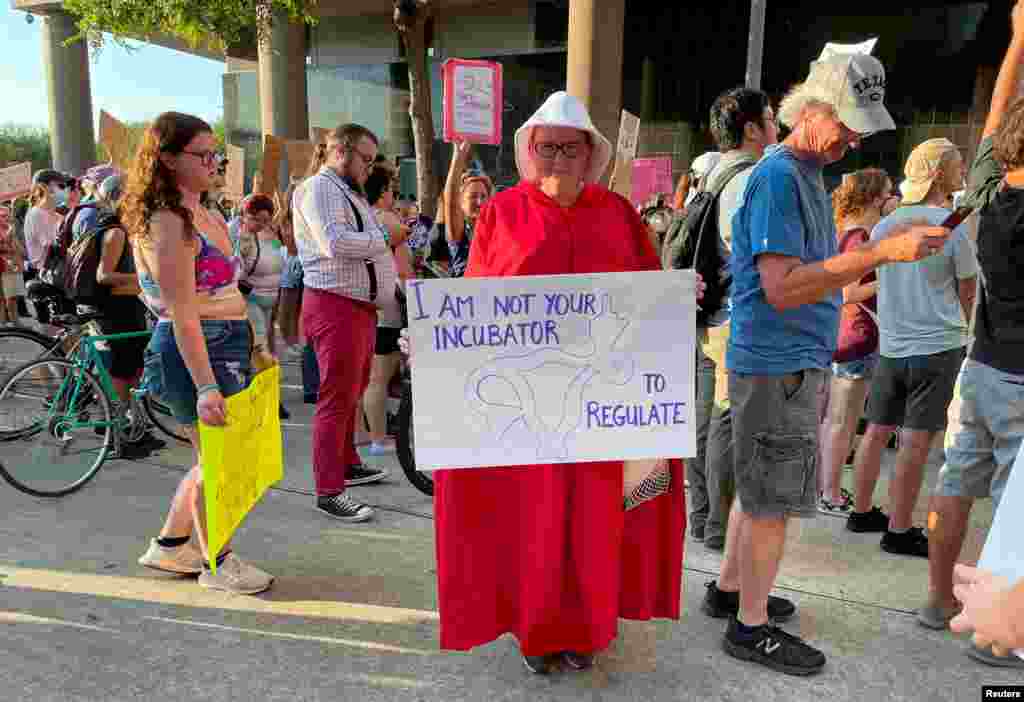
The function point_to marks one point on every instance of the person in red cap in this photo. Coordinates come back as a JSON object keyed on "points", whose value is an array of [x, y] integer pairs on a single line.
{"points": [[547, 552]]}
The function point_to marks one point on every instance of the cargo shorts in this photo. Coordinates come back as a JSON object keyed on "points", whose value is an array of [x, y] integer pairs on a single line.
{"points": [[775, 441]]}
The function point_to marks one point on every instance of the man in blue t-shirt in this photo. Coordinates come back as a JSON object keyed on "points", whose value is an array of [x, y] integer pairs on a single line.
{"points": [[785, 318]]}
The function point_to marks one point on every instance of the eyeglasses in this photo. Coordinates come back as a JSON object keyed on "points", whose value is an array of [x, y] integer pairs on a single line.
{"points": [[368, 160], [549, 150], [207, 158]]}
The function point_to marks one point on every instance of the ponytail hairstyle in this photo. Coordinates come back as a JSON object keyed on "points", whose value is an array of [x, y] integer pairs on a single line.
{"points": [[318, 160], [856, 193]]}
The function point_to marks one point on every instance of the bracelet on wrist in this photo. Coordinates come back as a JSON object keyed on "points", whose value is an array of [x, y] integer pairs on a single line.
{"points": [[209, 387]]}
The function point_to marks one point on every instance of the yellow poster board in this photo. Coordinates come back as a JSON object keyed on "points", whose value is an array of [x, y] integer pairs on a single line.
{"points": [[242, 459]]}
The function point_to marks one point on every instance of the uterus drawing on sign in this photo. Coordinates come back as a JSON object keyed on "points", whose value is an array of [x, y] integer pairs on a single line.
{"points": [[474, 93], [517, 396]]}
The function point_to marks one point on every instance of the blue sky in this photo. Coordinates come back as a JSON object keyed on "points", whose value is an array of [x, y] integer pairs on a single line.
{"points": [[134, 86]]}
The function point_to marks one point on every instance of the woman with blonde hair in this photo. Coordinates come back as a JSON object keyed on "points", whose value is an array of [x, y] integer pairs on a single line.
{"points": [[858, 204], [200, 350], [464, 195]]}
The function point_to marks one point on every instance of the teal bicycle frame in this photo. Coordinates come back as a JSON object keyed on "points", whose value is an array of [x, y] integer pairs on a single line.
{"points": [[87, 358]]}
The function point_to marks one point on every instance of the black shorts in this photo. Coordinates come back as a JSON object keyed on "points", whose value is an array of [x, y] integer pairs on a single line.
{"points": [[387, 341], [914, 392], [123, 314]]}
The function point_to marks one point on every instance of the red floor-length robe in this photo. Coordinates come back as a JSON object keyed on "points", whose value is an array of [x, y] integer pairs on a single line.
{"points": [[546, 552]]}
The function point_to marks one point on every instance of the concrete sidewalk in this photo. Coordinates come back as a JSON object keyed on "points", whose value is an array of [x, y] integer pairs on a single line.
{"points": [[352, 615]]}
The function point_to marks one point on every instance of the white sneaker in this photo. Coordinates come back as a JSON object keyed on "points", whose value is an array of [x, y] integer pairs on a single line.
{"points": [[184, 560], [237, 576]]}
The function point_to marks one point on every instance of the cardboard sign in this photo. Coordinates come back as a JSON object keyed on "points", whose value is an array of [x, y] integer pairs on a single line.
{"points": [[553, 369], [833, 49], [242, 459], [629, 135], [116, 140], [273, 152], [234, 177], [625, 151], [15, 181], [650, 176], [300, 153], [473, 101], [1003, 553]]}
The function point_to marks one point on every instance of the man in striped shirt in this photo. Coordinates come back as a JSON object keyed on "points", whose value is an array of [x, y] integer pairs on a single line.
{"points": [[348, 272]]}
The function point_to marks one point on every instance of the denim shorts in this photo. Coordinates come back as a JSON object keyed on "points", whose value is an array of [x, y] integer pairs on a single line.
{"points": [[229, 345], [861, 369], [985, 432]]}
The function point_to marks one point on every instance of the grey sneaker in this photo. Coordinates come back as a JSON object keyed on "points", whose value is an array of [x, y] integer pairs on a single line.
{"points": [[237, 576], [183, 560], [985, 655], [935, 617]]}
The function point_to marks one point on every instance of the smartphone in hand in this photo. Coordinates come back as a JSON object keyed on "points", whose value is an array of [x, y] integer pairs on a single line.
{"points": [[956, 219]]}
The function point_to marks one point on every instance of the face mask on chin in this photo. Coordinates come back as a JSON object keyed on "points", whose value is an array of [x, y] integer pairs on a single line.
{"points": [[60, 197]]}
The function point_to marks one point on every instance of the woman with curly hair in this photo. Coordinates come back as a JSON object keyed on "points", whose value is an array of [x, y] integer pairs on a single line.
{"points": [[200, 349], [858, 204]]}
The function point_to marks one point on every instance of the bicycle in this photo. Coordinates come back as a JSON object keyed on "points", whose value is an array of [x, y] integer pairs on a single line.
{"points": [[20, 345], [74, 418]]}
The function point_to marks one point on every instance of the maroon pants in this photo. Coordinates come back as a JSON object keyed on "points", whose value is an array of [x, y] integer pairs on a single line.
{"points": [[342, 332]]}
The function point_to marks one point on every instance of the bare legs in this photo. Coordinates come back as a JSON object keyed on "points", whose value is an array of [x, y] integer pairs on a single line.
{"points": [[376, 395], [188, 509], [846, 404], [753, 553]]}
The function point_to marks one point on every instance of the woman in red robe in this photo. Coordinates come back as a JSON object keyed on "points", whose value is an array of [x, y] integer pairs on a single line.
{"points": [[547, 553]]}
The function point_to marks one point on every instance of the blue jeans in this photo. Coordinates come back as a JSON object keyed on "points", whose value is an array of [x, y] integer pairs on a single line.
{"points": [[229, 345]]}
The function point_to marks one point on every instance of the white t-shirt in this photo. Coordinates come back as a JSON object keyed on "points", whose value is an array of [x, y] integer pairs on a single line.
{"points": [[40, 230], [919, 310]]}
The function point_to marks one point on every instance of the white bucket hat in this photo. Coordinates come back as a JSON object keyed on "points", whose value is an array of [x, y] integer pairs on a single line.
{"points": [[562, 110]]}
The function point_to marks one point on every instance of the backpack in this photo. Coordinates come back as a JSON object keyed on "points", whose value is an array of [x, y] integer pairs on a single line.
{"points": [[54, 269], [692, 242], [83, 261]]}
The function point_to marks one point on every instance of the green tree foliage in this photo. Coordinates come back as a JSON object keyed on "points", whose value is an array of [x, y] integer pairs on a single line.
{"points": [[21, 143], [213, 24]]}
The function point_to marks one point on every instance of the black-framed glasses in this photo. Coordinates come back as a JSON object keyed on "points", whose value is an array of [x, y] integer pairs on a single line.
{"points": [[549, 150], [207, 158]]}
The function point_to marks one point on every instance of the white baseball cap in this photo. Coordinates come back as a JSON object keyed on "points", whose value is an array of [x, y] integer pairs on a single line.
{"points": [[855, 87]]}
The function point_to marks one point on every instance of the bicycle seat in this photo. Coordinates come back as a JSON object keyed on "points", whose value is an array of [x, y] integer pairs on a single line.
{"points": [[75, 320]]}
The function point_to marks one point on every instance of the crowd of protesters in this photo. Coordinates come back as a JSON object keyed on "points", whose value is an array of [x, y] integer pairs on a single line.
{"points": [[860, 306]]}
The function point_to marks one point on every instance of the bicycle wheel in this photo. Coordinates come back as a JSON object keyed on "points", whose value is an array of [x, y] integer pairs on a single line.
{"points": [[59, 427], [160, 415], [405, 445], [20, 345]]}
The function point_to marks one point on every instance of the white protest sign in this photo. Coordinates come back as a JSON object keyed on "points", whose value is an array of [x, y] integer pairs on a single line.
{"points": [[1003, 553], [553, 369], [629, 135], [15, 181]]}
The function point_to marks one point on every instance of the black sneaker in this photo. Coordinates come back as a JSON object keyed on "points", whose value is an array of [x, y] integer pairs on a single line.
{"points": [[131, 452], [772, 647], [361, 475], [283, 413], [912, 542], [538, 665], [150, 441], [867, 522], [343, 508], [719, 604]]}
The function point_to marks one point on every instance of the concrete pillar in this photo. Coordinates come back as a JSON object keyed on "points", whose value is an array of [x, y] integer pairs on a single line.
{"points": [[72, 138], [284, 103], [595, 60], [648, 91]]}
